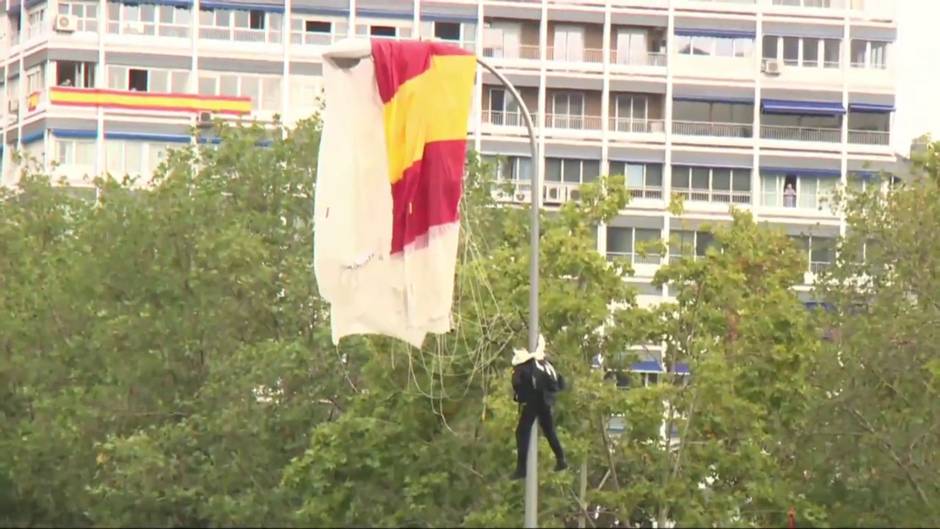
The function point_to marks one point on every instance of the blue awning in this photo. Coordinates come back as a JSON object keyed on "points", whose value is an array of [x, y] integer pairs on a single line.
{"points": [[30, 138], [811, 108], [719, 33], [802, 171], [385, 13], [871, 107], [682, 368]]}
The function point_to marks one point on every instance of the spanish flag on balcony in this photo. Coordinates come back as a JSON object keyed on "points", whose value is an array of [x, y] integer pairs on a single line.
{"points": [[389, 182]]}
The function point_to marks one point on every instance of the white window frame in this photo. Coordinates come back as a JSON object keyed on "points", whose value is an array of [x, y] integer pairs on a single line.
{"points": [[301, 37], [36, 21], [820, 61], [151, 154], [71, 150], [869, 54], [86, 23], [271, 33], [634, 257], [691, 192], [696, 236], [257, 102], [80, 74], [566, 162], [713, 47], [124, 73], [822, 195]]}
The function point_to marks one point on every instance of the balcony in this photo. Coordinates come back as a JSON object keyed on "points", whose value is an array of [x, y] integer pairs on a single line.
{"points": [[572, 122], [501, 118], [314, 39], [637, 126], [869, 137], [817, 267], [824, 135], [638, 59], [819, 4], [646, 192], [720, 130], [590, 55], [523, 51], [715, 196]]}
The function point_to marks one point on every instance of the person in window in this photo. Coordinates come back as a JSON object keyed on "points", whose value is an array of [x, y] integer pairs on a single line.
{"points": [[535, 384], [789, 196]]}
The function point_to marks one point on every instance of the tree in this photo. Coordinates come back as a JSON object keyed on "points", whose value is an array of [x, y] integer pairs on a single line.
{"points": [[731, 423], [875, 458]]}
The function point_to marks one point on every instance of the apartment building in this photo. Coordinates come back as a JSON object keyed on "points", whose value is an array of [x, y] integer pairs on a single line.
{"points": [[764, 104]]}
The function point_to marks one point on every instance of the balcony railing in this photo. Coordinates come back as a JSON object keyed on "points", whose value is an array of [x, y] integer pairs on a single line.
{"points": [[636, 125], [506, 119], [583, 55], [638, 58], [823, 4], [817, 267], [314, 39], [722, 130], [524, 51], [572, 121], [715, 195], [870, 137], [776, 132], [649, 192]]}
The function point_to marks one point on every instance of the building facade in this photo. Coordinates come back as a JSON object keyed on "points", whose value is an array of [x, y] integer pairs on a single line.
{"points": [[764, 104]]}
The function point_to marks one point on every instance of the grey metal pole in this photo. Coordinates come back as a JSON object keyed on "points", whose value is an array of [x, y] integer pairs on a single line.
{"points": [[531, 474]]}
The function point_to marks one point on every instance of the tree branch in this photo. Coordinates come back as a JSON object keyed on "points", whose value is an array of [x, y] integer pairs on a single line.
{"points": [[894, 456]]}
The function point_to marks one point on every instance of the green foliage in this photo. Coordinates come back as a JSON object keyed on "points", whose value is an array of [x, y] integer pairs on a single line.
{"points": [[877, 458], [167, 362]]}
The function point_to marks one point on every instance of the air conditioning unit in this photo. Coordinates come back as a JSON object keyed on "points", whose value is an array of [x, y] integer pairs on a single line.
{"points": [[204, 120], [66, 23], [554, 194], [523, 196], [771, 67]]}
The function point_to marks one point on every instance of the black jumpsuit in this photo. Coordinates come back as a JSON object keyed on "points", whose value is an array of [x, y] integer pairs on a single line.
{"points": [[536, 404]]}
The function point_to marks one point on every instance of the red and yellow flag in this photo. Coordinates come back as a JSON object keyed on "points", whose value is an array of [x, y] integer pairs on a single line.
{"points": [[390, 178]]}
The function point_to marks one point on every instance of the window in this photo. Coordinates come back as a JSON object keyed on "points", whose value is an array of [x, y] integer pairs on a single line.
{"points": [[870, 121], [832, 57], [35, 80], [797, 191], [570, 170], [504, 110], [85, 12], [137, 80], [567, 110], [511, 167], [713, 112], [134, 158], [80, 153], [631, 112], [820, 251], [636, 245], [644, 180], [807, 52], [791, 51], [264, 91], [256, 19], [77, 74], [715, 46], [811, 52], [869, 54], [383, 31], [770, 46], [689, 244], [712, 184], [447, 30], [317, 26]]}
